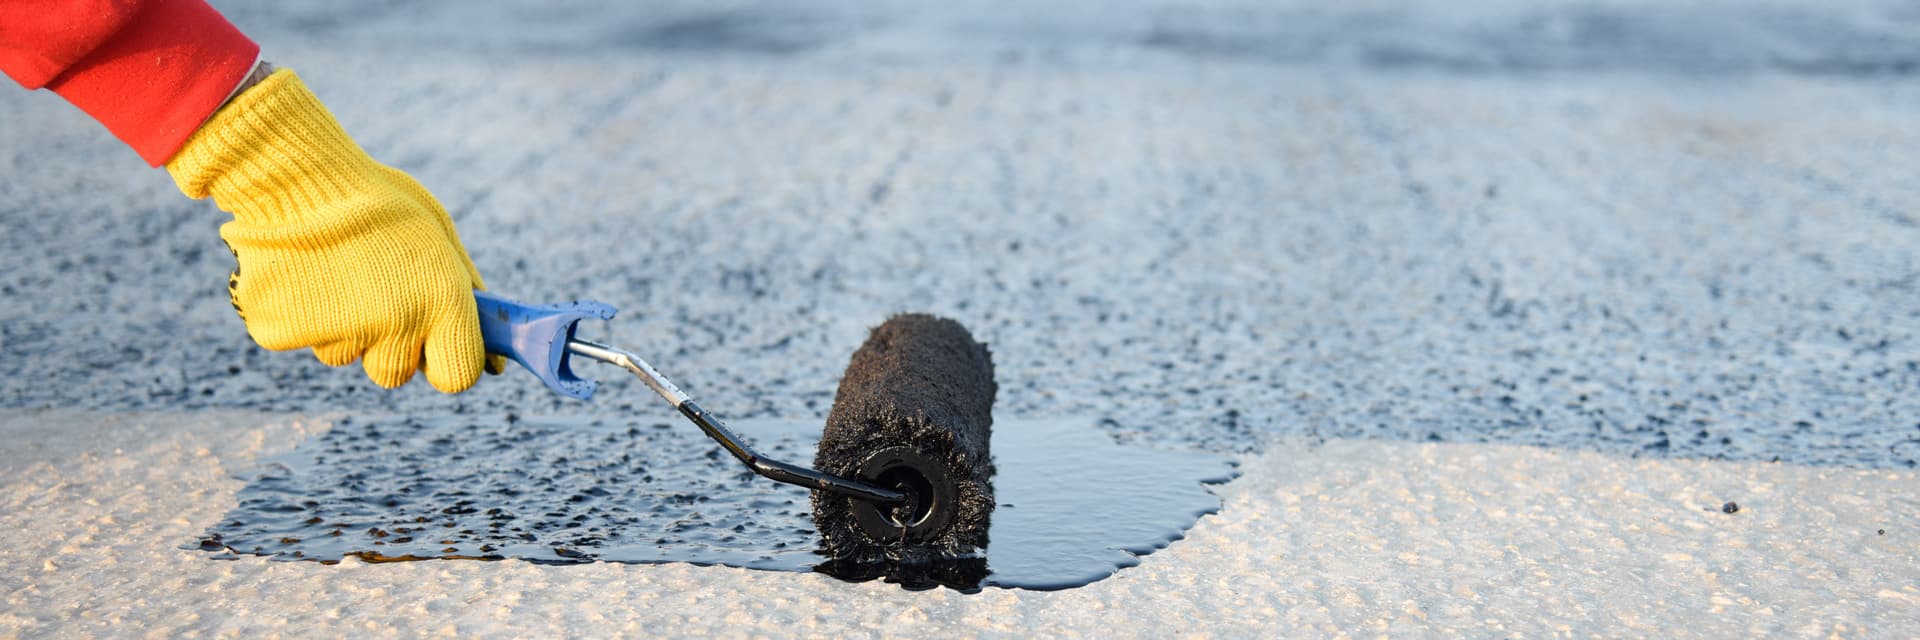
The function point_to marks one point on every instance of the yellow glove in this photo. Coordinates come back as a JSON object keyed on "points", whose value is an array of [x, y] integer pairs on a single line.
{"points": [[337, 252]]}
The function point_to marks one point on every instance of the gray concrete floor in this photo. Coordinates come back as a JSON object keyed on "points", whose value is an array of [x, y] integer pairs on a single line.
{"points": [[1672, 230]]}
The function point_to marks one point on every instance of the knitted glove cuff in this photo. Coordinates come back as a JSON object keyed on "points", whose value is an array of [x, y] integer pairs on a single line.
{"points": [[273, 156]]}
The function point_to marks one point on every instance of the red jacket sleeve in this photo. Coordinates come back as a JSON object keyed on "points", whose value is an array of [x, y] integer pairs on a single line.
{"points": [[150, 70]]}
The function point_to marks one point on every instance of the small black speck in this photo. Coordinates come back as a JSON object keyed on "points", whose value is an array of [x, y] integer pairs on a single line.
{"points": [[1882, 531], [1730, 508]]}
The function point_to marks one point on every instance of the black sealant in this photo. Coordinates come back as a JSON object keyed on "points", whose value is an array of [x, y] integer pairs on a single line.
{"points": [[1072, 506]]}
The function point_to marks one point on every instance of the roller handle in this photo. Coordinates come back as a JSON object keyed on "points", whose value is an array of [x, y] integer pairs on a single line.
{"points": [[536, 336], [540, 338]]}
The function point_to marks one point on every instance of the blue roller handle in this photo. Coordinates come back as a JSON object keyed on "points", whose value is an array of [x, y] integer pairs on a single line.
{"points": [[536, 336]]}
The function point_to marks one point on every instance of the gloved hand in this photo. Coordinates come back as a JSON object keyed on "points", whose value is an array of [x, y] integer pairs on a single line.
{"points": [[337, 252]]}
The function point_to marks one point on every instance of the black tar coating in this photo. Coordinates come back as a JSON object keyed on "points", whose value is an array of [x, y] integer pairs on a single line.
{"points": [[545, 489], [918, 381]]}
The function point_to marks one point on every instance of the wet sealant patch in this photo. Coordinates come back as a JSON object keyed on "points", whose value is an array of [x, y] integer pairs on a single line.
{"points": [[1073, 506]]}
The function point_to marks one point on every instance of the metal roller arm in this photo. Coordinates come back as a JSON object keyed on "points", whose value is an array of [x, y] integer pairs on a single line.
{"points": [[774, 469]]}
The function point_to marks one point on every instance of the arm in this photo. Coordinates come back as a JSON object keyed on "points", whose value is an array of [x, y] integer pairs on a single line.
{"points": [[150, 70], [337, 252]]}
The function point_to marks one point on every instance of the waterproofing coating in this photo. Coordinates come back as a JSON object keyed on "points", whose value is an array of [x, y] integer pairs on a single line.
{"points": [[920, 382]]}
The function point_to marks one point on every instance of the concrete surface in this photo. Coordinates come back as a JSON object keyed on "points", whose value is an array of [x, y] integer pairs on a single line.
{"points": [[1651, 246], [1346, 538]]}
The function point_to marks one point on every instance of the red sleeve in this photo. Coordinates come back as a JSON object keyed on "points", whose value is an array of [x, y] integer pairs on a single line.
{"points": [[150, 70]]}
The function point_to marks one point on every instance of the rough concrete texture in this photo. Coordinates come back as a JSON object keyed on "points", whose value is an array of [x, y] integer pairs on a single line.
{"points": [[1645, 248], [1205, 243], [1648, 234], [1349, 537]]}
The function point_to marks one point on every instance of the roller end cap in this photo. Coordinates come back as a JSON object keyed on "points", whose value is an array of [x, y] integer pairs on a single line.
{"points": [[931, 497]]}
